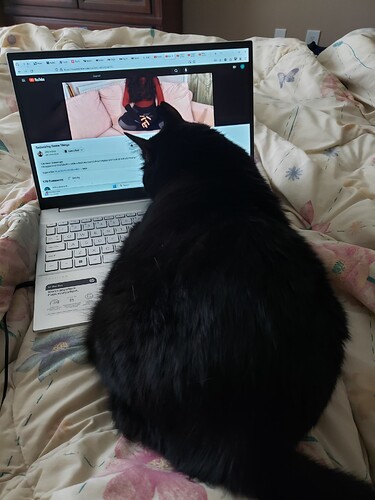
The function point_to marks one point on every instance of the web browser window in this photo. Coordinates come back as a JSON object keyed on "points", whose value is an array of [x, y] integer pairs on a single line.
{"points": [[75, 108]]}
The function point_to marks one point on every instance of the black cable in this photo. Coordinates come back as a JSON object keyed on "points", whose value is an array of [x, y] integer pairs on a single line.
{"points": [[6, 359], [25, 284], [6, 333]]}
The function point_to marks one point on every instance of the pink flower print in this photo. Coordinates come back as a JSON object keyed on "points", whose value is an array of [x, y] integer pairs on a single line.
{"points": [[13, 269], [332, 87], [12, 103], [19, 309], [311, 447], [13, 203], [308, 213], [11, 39], [143, 475], [352, 268], [355, 227]]}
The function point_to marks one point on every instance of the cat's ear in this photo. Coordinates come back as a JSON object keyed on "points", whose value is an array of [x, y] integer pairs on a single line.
{"points": [[142, 143], [170, 114]]}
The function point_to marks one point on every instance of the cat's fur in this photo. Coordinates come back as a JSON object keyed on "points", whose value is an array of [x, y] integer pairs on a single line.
{"points": [[217, 334]]}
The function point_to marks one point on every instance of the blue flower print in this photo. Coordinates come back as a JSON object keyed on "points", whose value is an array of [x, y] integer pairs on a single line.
{"points": [[331, 152], [52, 349], [341, 42], [293, 173]]}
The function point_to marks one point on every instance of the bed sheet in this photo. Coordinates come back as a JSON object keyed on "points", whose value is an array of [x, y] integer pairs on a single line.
{"points": [[315, 144]]}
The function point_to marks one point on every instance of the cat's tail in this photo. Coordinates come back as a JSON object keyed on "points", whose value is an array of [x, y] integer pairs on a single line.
{"points": [[301, 478]]}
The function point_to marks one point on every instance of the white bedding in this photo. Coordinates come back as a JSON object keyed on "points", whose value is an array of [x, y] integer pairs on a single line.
{"points": [[315, 142]]}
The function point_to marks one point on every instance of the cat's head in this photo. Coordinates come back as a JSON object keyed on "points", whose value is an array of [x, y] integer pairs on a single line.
{"points": [[179, 149]]}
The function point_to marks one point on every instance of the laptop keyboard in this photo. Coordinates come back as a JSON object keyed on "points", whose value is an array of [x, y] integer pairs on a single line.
{"points": [[86, 242]]}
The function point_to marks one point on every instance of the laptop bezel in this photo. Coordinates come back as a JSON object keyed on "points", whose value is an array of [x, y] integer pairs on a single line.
{"points": [[121, 195]]}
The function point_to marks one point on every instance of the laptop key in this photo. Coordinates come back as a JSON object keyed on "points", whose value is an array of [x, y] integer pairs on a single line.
{"points": [[56, 238], [82, 235], [66, 264], [126, 221], [52, 266], [94, 251], [69, 237], [80, 262], [107, 249], [72, 245], [55, 247], [95, 259], [80, 252], [50, 231], [113, 239], [99, 241], [86, 243], [65, 254], [109, 257]]}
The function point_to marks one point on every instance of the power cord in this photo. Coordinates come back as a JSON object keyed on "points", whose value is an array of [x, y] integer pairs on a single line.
{"points": [[25, 284]]}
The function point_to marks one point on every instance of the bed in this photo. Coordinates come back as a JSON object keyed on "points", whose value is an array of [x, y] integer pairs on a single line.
{"points": [[315, 144]]}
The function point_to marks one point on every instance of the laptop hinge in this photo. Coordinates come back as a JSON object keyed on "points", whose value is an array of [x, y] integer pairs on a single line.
{"points": [[85, 207]]}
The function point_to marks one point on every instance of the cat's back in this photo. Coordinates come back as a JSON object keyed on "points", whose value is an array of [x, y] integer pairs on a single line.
{"points": [[221, 250]]}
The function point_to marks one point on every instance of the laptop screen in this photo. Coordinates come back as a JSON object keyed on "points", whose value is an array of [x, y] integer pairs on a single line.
{"points": [[76, 105]]}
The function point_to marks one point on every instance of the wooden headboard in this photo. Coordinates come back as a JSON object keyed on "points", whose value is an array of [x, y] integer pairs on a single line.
{"points": [[165, 15]]}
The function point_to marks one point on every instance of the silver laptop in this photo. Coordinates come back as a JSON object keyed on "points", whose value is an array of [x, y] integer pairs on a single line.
{"points": [[87, 172]]}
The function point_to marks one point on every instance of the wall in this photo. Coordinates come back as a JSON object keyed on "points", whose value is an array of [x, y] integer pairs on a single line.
{"points": [[236, 19]]}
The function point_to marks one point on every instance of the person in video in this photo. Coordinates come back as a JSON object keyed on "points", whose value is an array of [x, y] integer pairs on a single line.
{"points": [[141, 100]]}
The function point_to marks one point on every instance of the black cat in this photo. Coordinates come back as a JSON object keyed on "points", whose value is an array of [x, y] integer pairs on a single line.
{"points": [[217, 334]]}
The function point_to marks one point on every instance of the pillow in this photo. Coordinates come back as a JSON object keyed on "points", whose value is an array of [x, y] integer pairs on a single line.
{"points": [[179, 96], [87, 115], [203, 113], [111, 97], [111, 132]]}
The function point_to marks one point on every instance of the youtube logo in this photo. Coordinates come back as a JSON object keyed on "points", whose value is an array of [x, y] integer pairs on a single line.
{"points": [[36, 79]]}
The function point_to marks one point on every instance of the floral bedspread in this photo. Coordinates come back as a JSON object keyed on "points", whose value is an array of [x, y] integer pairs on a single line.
{"points": [[315, 143]]}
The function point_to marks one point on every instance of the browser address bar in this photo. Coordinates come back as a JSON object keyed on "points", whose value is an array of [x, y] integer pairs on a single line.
{"points": [[57, 65]]}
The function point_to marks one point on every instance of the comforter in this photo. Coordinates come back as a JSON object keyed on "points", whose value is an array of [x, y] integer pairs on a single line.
{"points": [[315, 144]]}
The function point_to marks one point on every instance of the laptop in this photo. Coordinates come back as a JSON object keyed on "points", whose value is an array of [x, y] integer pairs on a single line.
{"points": [[87, 171]]}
